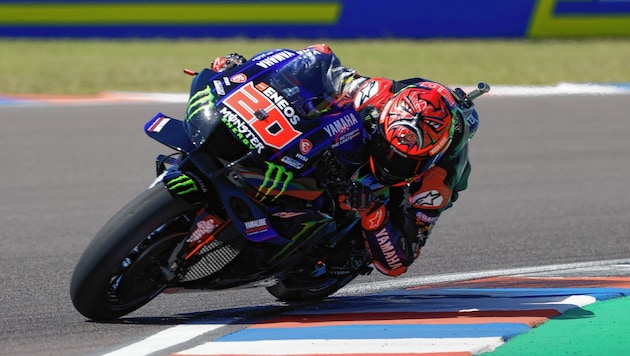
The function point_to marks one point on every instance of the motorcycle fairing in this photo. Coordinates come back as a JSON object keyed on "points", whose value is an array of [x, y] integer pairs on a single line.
{"points": [[270, 186], [210, 109], [169, 131], [342, 132], [304, 227], [250, 218]]}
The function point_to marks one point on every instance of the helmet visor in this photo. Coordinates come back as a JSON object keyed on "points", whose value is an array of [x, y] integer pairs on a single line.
{"points": [[392, 166]]}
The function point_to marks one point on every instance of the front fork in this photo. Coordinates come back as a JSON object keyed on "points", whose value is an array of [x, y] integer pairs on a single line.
{"points": [[183, 181]]}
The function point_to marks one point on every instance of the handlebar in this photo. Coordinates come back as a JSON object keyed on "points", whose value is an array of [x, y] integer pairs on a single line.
{"points": [[482, 88]]}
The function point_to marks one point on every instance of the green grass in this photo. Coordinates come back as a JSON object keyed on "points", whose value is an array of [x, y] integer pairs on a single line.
{"points": [[93, 66]]}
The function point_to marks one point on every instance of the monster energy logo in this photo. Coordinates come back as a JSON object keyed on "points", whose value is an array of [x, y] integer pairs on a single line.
{"points": [[309, 229], [276, 176], [182, 185], [199, 101]]}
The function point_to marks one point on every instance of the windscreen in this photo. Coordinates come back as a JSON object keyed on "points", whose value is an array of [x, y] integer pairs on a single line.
{"points": [[306, 82], [202, 117]]}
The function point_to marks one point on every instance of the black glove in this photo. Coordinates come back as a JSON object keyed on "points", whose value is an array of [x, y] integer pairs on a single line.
{"points": [[370, 117], [224, 63], [357, 197]]}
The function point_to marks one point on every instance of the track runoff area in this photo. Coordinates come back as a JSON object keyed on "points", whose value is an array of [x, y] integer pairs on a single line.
{"points": [[579, 308]]}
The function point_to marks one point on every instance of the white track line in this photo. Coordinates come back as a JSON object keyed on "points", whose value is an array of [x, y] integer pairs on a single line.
{"points": [[339, 347], [375, 287], [165, 339]]}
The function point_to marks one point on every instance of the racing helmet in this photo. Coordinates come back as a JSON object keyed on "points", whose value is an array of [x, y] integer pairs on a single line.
{"points": [[414, 130]]}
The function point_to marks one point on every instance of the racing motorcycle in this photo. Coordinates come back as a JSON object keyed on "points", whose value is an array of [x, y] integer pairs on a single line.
{"points": [[247, 198]]}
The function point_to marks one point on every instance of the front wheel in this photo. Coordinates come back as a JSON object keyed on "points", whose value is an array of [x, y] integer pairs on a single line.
{"points": [[122, 267]]}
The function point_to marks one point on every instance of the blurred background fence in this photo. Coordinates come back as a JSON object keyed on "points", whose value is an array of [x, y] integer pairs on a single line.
{"points": [[340, 19]]}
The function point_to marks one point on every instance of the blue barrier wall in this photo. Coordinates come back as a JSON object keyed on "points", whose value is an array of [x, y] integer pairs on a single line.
{"points": [[315, 18]]}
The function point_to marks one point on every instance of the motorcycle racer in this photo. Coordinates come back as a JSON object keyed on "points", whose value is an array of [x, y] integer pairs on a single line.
{"points": [[417, 158]]}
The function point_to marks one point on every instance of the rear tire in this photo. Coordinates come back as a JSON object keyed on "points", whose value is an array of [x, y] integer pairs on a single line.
{"points": [[119, 270], [351, 260], [295, 290]]}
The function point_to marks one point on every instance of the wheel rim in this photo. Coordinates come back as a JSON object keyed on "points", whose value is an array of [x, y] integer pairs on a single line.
{"points": [[140, 277]]}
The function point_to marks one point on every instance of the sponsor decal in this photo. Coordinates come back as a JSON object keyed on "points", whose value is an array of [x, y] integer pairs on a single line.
{"points": [[238, 78], [203, 229], [346, 137], [275, 59], [288, 214], [274, 128], [472, 120], [292, 162], [341, 125], [387, 248], [159, 124], [241, 130], [182, 185], [301, 157], [261, 56], [276, 177], [425, 219], [374, 219], [369, 90], [257, 226], [427, 199], [305, 146], [281, 103], [218, 87], [201, 100]]}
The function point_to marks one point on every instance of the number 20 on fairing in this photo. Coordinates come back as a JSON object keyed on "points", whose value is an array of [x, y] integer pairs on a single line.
{"points": [[275, 130]]}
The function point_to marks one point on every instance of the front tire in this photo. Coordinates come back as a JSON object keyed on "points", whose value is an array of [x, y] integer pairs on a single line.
{"points": [[120, 269]]}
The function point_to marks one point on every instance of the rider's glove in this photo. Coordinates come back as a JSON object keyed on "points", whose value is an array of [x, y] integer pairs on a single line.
{"points": [[370, 116], [357, 197], [224, 63]]}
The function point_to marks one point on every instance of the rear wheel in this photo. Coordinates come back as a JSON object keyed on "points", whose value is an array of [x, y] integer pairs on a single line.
{"points": [[351, 261], [294, 289], [122, 268]]}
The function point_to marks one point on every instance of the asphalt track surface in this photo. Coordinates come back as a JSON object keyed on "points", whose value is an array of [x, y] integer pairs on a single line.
{"points": [[550, 185]]}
